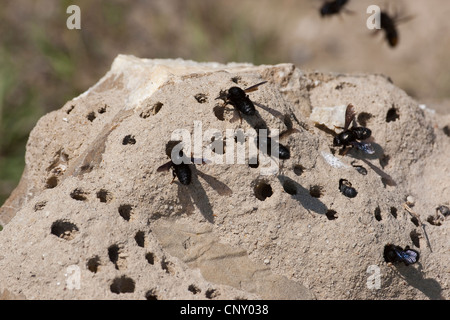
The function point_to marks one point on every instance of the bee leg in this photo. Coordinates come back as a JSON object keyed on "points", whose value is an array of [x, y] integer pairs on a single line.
{"points": [[236, 110], [174, 176], [344, 151]]}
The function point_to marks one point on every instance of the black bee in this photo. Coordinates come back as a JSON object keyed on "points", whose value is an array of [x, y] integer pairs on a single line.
{"points": [[346, 188], [283, 151], [390, 30], [349, 136], [395, 254], [388, 23], [181, 171], [240, 100], [332, 7]]}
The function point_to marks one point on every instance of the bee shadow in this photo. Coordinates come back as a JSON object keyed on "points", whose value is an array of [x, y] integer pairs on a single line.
{"points": [[415, 278], [273, 112], [385, 178], [302, 195], [220, 187], [194, 195]]}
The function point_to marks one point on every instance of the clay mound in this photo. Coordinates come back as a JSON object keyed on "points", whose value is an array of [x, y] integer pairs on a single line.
{"points": [[93, 218]]}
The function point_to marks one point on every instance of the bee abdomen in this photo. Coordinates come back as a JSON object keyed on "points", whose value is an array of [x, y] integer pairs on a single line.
{"points": [[362, 133], [346, 189], [283, 152], [183, 173], [246, 107]]}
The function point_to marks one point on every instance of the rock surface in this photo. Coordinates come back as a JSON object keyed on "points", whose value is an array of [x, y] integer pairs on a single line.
{"points": [[93, 219]]}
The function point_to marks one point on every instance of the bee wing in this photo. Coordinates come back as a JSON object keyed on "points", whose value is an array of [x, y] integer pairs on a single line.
{"points": [[164, 167], [349, 116], [409, 256], [403, 19], [364, 146], [254, 87], [200, 161]]}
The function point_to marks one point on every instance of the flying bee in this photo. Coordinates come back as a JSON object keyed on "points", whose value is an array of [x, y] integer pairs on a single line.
{"points": [[181, 171], [239, 99], [346, 188], [396, 254], [390, 30], [332, 7], [349, 136], [388, 23]]}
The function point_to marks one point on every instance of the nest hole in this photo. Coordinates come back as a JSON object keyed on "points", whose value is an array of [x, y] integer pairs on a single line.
{"points": [[40, 205], [104, 195], [201, 97], [93, 264], [64, 229], [51, 182], [151, 295], [299, 169], [211, 293], [194, 289], [434, 220], [377, 214], [139, 237], [69, 110], [415, 221], [236, 79], [153, 110], [125, 211], [331, 214], [123, 284], [167, 266], [102, 110], [115, 254], [394, 212], [392, 115], [263, 190], [415, 238], [78, 195], [128, 139], [150, 257], [91, 116], [157, 107], [446, 130], [316, 191]]}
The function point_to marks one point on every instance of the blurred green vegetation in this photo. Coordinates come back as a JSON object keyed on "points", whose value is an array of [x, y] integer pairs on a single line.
{"points": [[43, 64]]}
